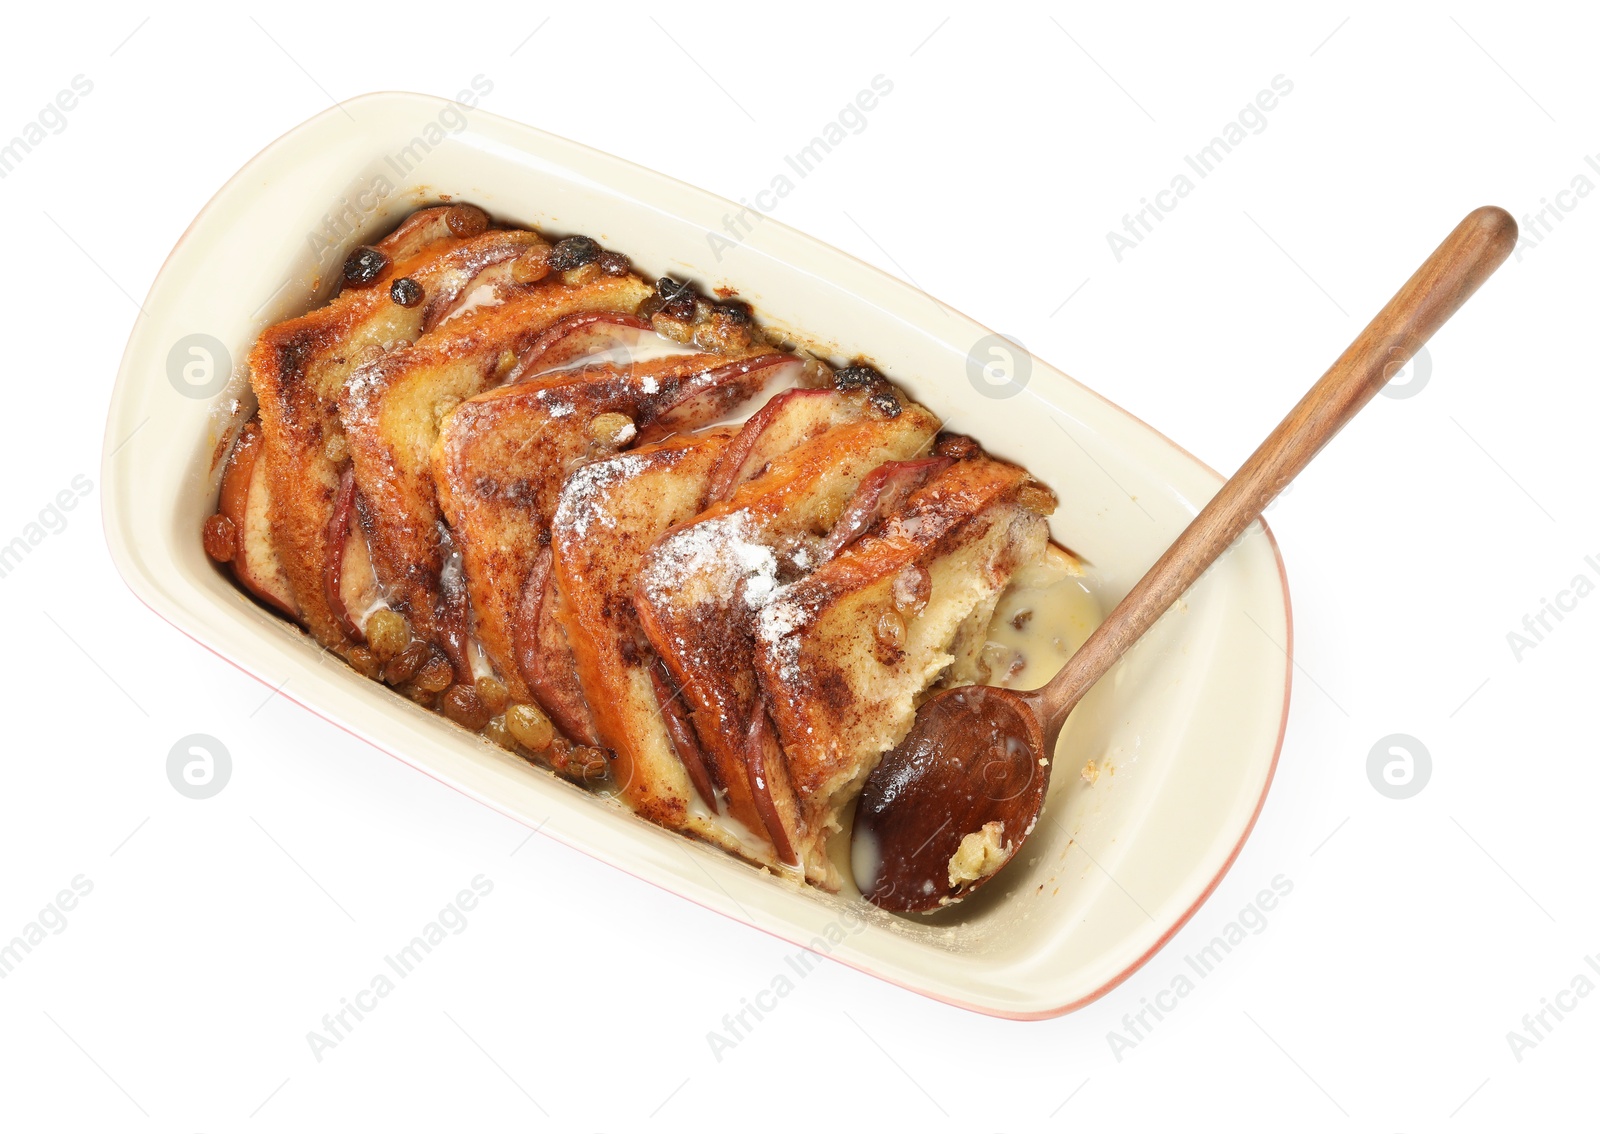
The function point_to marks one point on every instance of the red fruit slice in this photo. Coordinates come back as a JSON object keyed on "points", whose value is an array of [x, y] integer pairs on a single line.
{"points": [[555, 689], [681, 733], [776, 427], [339, 526], [762, 759], [576, 336], [245, 502], [882, 492], [714, 393]]}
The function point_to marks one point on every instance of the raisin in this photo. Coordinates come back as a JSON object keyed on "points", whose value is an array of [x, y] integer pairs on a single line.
{"points": [[614, 264], [221, 538], [573, 252], [364, 662], [434, 676], [668, 288], [363, 265], [682, 308], [462, 704], [406, 663], [387, 634], [956, 446], [466, 220], [530, 726], [885, 402], [532, 266], [736, 311], [857, 378], [492, 693], [406, 291], [1036, 497]]}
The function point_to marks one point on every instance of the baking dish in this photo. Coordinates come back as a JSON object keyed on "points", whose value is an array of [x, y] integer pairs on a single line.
{"points": [[1184, 733]]}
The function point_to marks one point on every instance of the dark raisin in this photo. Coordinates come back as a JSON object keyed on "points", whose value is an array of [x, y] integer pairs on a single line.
{"points": [[737, 312], [406, 291], [885, 402], [857, 378], [466, 220], [955, 446], [669, 289], [614, 264], [573, 252], [682, 309], [363, 265]]}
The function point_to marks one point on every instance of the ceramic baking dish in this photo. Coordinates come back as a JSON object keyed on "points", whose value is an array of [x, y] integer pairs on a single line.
{"points": [[1186, 730]]}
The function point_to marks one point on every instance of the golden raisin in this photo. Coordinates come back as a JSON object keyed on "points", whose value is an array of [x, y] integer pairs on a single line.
{"points": [[423, 697], [435, 675], [1036, 497], [387, 634], [890, 634], [461, 704], [584, 274], [220, 537], [530, 726], [364, 662], [496, 732], [532, 266], [910, 589], [614, 429], [466, 220], [406, 663], [491, 693], [586, 764]]}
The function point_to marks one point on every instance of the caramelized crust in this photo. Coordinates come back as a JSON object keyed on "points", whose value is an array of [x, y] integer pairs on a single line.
{"points": [[298, 368], [610, 514], [703, 581], [499, 466], [843, 654], [391, 408]]}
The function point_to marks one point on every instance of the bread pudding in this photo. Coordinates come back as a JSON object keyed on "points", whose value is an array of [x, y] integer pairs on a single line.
{"points": [[620, 529]]}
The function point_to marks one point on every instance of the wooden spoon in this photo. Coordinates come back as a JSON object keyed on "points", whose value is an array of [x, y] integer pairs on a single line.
{"points": [[977, 755]]}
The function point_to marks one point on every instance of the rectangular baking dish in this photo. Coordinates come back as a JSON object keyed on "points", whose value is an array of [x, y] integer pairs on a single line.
{"points": [[1185, 731]]}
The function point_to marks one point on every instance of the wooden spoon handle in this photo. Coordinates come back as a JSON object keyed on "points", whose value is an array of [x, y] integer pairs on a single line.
{"points": [[1468, 256]]}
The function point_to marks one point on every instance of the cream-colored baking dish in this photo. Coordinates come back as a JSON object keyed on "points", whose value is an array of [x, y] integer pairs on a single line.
{"points": [[1185, 731]]}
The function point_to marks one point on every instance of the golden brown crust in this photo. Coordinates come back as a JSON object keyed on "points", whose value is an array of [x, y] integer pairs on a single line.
{"points": [[297, 369], [503, 456], [610, 514], [703, 580], [390, 410]]}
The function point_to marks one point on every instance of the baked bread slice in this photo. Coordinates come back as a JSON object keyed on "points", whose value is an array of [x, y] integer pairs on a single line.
{"points": [[843, 654], [297, 369], [703, 582], [609, 515], [390, 410], [499, 466]]}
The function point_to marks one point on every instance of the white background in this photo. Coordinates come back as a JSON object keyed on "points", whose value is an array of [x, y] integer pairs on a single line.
{"points": [[1419, 932]]}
